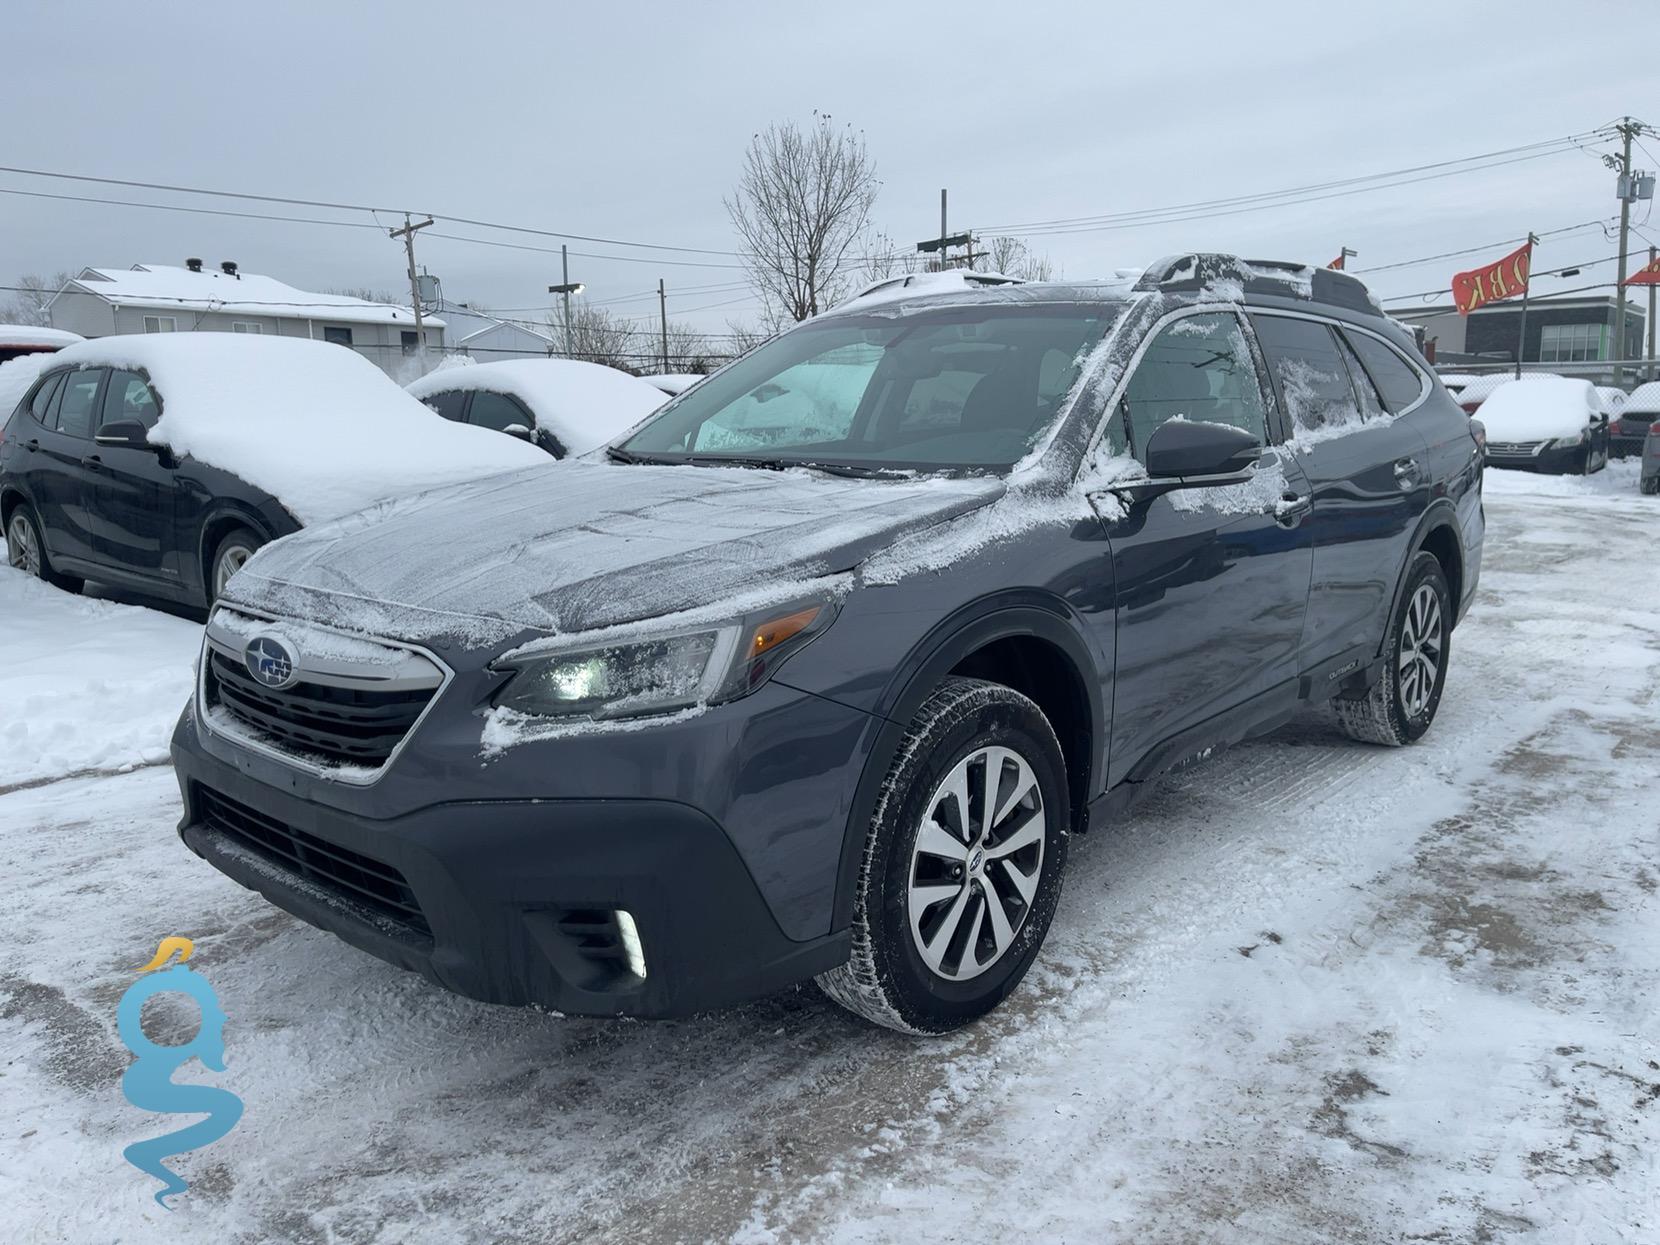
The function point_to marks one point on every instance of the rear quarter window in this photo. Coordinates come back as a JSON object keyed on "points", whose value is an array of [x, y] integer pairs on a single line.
{"points": [[1397, 380]]}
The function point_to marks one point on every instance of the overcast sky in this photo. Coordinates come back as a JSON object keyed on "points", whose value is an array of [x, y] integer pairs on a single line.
{"points": [[629, 121]]}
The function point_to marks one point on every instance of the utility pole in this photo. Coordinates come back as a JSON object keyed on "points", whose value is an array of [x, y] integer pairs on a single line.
{"points": [[1652, 253], [942, 229], [1627, 129], [1521, 333], [663, 314], [942, 244], [407, 233], [567, 287]]}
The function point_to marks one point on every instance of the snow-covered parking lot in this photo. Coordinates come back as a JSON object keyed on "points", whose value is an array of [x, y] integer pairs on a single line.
{"points": [[1312, 991]]}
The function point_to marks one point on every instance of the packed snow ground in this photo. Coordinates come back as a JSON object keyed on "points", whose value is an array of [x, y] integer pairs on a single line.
{"points": [[1311, 992]]}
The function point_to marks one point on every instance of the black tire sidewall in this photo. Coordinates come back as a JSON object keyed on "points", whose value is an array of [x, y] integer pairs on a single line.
{"points": [[1425, 569], [924, 1000]]}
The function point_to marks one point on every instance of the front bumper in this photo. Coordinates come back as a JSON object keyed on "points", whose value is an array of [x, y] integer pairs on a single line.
{"points": [[1544, 459], [511, 901]]}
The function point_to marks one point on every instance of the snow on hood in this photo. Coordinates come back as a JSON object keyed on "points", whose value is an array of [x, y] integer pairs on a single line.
{"points": [[582, 545], [1539, 408], [315, 425], [585, 405]]}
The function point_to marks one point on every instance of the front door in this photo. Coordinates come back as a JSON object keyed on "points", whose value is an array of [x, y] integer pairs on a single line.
{"points": [[1370, 476], [134, 491], [1211, 584]]}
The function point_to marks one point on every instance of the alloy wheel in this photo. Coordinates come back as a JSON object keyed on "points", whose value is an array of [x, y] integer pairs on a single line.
{"points": [[231, 561], [1422, 642], [976, 864], [22, 548]]}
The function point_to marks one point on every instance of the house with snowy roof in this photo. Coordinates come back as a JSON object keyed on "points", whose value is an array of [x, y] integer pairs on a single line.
{"points": [[161, 298], [489, 338]]}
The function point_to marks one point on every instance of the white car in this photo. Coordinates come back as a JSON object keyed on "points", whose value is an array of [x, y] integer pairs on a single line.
{"points": [[1456, 381], [564, 406], [22, 339], [1546, 423]]}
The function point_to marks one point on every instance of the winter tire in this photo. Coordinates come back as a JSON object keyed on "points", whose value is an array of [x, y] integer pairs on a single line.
{"points": [[233, 552], [1400, 706], [26, 550], [962, 863]]}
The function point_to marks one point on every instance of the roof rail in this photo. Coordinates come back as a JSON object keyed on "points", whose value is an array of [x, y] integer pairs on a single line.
{"points": [[1195, 270]]}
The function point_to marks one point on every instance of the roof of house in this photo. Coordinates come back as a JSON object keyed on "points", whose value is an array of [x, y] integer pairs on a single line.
{"points": [[165, 287]]}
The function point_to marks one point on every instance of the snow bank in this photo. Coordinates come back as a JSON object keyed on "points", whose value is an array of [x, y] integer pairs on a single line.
{"points": [[317, 426], [585, 405], [1539, 409], [32, 335], [86, 684], [15, 379]]}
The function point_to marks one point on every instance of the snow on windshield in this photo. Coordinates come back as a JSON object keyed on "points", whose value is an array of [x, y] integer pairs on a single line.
{"points": [[316, 425], [584, 405]]}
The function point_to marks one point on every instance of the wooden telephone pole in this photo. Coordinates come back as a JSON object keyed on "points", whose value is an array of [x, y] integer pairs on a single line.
{"points": [[407, 233]]}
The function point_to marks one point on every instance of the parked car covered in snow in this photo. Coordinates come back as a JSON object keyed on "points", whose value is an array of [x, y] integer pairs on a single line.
{"points": [[816, 672], [1628, 431], [162, 462], [1456, 382], [1546, 423], [22, 339], [565, 406], [1613, 400]]}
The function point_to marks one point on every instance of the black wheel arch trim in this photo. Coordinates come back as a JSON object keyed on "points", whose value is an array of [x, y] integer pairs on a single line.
{"points": [[221, 517], [1033, 615], [1441, 513]]}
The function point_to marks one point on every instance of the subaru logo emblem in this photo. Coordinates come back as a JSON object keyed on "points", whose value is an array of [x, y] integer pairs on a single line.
{"points": [[271, 660]]}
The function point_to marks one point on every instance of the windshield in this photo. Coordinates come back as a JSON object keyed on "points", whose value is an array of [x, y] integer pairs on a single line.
{"points": [[959, 387]]}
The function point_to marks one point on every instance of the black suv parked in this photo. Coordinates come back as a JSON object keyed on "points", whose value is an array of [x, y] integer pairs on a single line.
{"points": [[816, 673], [84, 495]]}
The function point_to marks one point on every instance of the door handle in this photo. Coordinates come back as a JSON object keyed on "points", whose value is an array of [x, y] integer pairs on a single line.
{"points": [[1291, 507], [32, 444], [92, 462], [1406, 472]]}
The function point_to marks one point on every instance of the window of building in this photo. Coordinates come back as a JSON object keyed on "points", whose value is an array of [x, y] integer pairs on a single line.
{"points": [[161, 324], [1397, 380], [339, 334], [1570, 343], [410, 341], [1197, 368], [246, 326], [128, 397]]}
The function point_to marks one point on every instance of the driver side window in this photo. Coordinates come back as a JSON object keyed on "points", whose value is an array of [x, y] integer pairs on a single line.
{"points": [[1197, 368]]}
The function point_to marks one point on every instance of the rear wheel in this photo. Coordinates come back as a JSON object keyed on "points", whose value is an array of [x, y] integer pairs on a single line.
{"points": [[962, 863], [231, 555], [26, 551], [1400, 706]]}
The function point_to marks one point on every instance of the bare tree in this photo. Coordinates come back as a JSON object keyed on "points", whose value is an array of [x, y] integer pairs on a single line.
{"points": [[1013, 258], [802, 203], [28, 302], [884, 257], [597, 336], [742, 338], [690, 351]]}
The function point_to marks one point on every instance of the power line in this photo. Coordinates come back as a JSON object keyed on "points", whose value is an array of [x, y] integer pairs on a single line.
{"points": [[1471, 250]]}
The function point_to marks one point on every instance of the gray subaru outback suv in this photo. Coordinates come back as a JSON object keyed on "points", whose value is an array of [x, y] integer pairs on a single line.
{"points": [[816, 672]]}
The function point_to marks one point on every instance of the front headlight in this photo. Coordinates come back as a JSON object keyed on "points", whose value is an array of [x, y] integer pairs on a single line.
{"points": [[1568, 443], [661, 673]]}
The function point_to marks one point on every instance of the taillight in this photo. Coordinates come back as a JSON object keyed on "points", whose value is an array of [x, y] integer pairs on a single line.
{"points": [[1469, 408], [1478, 430]]}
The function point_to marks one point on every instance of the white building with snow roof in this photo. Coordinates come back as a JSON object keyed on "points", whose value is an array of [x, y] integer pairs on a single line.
{"points": [[161, 298]]}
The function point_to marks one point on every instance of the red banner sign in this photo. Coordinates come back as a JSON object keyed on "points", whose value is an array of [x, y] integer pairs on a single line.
{"points": [[1649, 274], [1337, 263], [1494, 283]]}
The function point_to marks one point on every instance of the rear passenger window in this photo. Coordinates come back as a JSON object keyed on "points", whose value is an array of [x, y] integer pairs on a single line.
{"points": [[1371, 407], [1198, 368], [1397, 380], [77, 408], [1313, 379], [498, 411], [447, 404]]}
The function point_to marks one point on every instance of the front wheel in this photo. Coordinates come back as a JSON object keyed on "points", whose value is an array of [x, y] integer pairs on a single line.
{"points": [[231, 555], [962, 862], [1400, 706]]}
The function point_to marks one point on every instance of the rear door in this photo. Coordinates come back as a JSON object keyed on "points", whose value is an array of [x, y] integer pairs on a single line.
{"points": [[1369, 475], [134, 492], [1210, 584], [62, 487]]}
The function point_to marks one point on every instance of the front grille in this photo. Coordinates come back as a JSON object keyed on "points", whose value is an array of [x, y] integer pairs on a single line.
{"points": [[343, 725], [357, 878], [1514, 449]]}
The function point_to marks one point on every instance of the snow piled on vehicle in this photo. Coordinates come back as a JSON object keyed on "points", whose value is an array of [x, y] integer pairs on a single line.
{"points": [[16, 375], [315, 425], [1540, 408], [584, 405]]}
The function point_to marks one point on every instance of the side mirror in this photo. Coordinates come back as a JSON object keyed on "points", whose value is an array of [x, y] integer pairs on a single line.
{"points": [[127, 434], [1186, 449], [520, 431]]}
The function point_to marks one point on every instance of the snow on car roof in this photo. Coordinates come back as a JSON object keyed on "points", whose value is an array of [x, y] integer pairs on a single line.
{"points": [[33, 335], [1644, 399], [1539, 407], [316, 425], [247, 293], [584, 405], [1482, 387], [673, 382]]}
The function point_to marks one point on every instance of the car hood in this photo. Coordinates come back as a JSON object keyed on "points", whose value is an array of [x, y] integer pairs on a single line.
{"points": [[582, 545]]}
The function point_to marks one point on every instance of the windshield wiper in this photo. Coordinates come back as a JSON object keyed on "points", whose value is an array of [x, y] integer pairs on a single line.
{"points": [[856, 471], [619, 455]]}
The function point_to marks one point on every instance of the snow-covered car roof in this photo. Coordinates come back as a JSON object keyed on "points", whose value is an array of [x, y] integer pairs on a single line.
{"points": [[1482, 387], [315, 425], [1645, 399], [33, 335], [1613, 400], [1538, 408], [584, 405], [673, 382]]}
